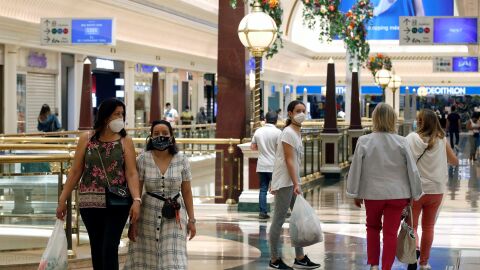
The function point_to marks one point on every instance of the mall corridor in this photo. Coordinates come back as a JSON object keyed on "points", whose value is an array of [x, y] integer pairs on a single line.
{"points": [[227, 239], [455, 246]]}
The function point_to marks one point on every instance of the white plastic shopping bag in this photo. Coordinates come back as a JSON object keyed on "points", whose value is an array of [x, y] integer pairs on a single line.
{"points": [[305, 227], [55, 255]]}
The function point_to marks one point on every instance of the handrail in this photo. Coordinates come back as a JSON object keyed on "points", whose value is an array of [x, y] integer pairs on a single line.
{"points": [[77, 132], [7, 140], [38, 146], [35, 158]]}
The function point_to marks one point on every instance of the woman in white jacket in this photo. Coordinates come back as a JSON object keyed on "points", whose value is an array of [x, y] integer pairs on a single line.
{"points": [[383, 175], [432, 153]]}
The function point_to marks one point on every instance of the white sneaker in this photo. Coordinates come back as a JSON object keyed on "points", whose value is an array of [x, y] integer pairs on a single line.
{"points": [[425, 267], [374, 267]]}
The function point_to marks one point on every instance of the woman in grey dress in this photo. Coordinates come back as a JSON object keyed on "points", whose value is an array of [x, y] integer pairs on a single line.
{"points": [[158, 240]]}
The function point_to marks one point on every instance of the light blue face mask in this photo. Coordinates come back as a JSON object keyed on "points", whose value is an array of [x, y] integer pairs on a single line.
{"points": [[414, 125]]}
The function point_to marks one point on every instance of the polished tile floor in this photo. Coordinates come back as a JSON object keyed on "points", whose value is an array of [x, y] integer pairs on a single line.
{"points": [[232, 240], [344, 247]]}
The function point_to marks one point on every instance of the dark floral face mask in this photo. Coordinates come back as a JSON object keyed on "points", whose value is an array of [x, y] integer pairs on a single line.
{"points": [[161, 143]]}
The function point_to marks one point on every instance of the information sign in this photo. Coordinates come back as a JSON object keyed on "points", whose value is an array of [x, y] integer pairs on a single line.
{"points": [[56, 31], [68, 31], [416, 30]]}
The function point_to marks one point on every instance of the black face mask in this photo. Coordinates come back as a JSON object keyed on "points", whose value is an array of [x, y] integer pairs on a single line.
{"points": [[161, 143]]}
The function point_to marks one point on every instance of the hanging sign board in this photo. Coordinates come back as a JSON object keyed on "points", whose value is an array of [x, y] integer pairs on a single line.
{"points": [[416, 30], [68, 31], [438, 31]]}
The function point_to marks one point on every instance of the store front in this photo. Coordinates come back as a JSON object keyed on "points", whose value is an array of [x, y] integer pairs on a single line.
{"points": [[431, 97], [107, 80], [37, 75]]}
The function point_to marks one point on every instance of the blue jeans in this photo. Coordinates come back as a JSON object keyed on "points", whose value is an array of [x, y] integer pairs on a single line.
{"points": [[265, 178]]}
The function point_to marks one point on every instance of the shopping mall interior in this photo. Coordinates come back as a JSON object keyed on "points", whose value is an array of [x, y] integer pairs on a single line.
{"points": [[223, 66]]}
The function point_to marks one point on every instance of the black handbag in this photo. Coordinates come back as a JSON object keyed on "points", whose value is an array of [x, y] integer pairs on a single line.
{"points": [[115, 195], [170, 205]]}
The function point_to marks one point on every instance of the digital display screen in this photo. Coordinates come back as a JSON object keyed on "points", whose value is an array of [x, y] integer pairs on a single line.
{"points": [[455, 31], [385, 24], [92, 31], [465, 64]]}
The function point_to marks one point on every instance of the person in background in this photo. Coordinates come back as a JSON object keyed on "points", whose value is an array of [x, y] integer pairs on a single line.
{"points": [[285, 184], [186, 116], [170, 114], [279, 115], [262, 115], [443, 120], [105, 159], [265, 141], [473, 135], [201, 116], [383, 175], [431, 152], [453, 127], [159, 241], [47, 121]]}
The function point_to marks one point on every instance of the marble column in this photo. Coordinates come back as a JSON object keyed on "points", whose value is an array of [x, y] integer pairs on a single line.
{"points": [[266, 93], [129, 76], [170, 81], [155, 102], [287, 98], [331, 103], [75, 94], [10, 116], [279, 89], [232, 93], [330, 134], [86, 112], [355, 129], [355, 119]]}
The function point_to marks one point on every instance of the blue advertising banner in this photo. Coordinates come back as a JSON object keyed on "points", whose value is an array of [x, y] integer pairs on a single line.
{"points": [[465, 64], [455, 30], [92, 31], [385, 23]]}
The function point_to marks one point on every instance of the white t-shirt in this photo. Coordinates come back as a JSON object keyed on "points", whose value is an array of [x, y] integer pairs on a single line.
{"points": [[281, 177], [432, 166], [170, 115], [266, 139]]}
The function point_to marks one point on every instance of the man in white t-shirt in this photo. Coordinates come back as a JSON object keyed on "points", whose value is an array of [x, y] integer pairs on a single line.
{"points": [[265, 141], [170, 114]]}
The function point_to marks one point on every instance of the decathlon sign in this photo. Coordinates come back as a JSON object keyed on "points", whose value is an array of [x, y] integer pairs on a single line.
{"points": [[444, 90]]}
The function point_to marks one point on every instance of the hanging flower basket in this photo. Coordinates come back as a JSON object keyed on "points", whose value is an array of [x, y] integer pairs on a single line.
{"points": [[355, 32], [377, 62], [326, 14]]}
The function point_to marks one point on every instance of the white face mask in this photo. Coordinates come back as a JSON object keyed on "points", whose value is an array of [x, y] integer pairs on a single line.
{"points": [[116, 125], [299, 118]]}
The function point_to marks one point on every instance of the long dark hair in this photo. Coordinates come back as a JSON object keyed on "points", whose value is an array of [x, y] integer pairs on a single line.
{"points": [[172, 150], [290, 108], [44, 112], [429, 126], [105, 110]]}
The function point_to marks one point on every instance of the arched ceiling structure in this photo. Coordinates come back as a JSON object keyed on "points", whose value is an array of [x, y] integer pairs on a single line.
{"points": [[185, 32]]}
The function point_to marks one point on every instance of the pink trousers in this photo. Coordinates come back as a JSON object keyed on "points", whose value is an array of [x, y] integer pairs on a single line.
{"points": [[427, 205], [391, 211]]}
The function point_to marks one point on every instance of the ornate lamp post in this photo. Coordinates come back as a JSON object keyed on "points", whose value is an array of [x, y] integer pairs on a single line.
{"points": [[394, 84], [382, 78], [257, 32]]}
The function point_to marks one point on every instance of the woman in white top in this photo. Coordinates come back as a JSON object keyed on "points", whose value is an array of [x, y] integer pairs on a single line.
{"points": [[432, 152], [473, 134], [285, 184], [384, 176]]}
